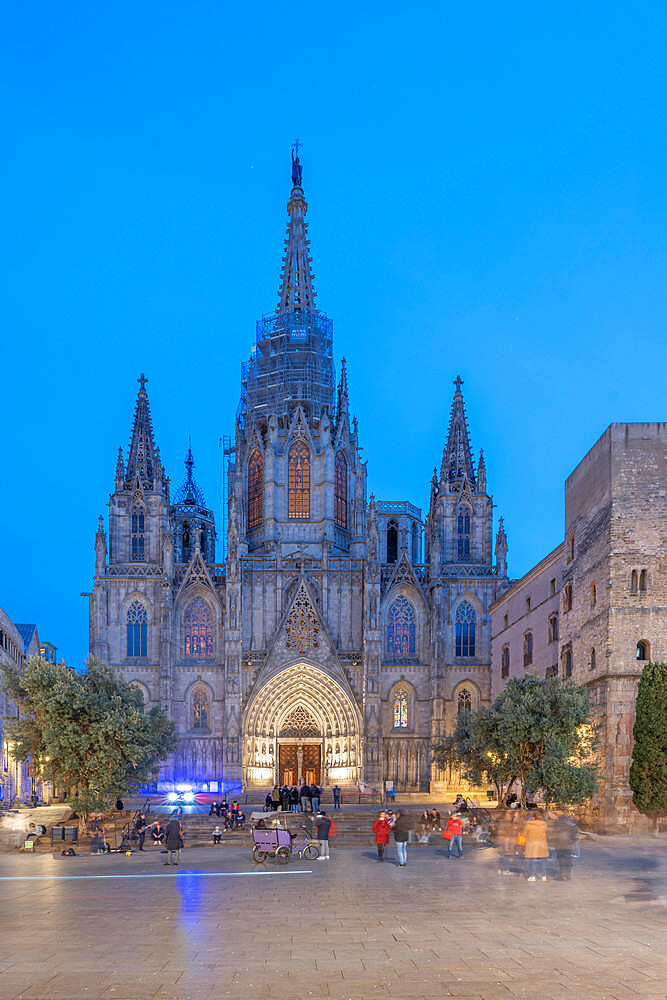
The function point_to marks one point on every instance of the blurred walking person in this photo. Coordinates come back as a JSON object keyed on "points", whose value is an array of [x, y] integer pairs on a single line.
{"points": [[563, 837], [174, 841], [536, 849], [401, 830]]}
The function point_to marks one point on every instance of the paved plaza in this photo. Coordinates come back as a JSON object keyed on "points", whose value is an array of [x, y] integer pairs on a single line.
{"points": [[220, 927]]}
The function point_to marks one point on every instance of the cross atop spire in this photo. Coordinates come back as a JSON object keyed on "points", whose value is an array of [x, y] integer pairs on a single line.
{"points": [[141, 459], [457, 456]]}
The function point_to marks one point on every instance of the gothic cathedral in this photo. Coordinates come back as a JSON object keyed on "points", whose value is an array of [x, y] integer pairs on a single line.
{"points": [[342, 634]]}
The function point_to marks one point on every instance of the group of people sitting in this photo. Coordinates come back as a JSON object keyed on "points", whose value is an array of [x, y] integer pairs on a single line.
{"points": [[233, 816], [291, 799]]}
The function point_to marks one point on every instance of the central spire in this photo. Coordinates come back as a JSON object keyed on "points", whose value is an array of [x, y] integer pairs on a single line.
{"points": [[142, 456], [292, 361], [296, 279], [457, 456]]}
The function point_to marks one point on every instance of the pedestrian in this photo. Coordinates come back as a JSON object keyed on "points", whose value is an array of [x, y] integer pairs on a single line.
{"points": [[336, 796], [314, 798], [503, 838], [536, 848], [424, 828], [304, 796], [322, 830], [563, 837], [294, 799], [401, 834], [275, 798], [455, 829], [140, 830], [174, 841], [217, 835], [381, 831]]}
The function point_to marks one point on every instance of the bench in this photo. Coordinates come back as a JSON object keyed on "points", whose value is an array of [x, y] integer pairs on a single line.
{"points": [[64, 834]]}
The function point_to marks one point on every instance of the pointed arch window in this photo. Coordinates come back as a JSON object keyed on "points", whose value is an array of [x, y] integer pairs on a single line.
{"points": [[401, 709], [464, 705], [401, 629], [463, 532], [185, 542], [200, 710], [137, 630], [392, 542], [198, 629], [340, 490], [138, 531], [255, 490], [465, 629], [298, 482]]}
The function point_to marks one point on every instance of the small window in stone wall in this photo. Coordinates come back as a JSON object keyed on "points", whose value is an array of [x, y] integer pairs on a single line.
{"points": [[567, 662], [553, 628], [594, 594], [643, 650], [591, 659], [527, 649], [505, 662], [567, 597], [643, 581]]}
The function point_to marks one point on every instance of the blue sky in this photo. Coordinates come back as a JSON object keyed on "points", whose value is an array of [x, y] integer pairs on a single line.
{"points": [[486, 189]]}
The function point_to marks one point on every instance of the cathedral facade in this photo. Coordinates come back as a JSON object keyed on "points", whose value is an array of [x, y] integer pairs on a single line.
{"points": [[341, 634]]}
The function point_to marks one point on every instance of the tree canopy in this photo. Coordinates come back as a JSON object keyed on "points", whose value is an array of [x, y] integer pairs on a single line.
{"points": [[648, 772], [539, 731], [86, 732]]}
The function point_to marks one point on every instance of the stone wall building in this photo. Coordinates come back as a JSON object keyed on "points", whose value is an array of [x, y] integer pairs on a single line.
{"points": [[610, 574], [14, 779], [332, 643]]}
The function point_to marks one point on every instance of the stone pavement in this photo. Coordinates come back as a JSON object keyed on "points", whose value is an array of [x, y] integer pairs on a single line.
{"points": [[130, 929]]}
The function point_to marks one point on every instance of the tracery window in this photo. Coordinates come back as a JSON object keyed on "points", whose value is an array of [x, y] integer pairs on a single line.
{"points": [[464, 705], [401, 709], [392, 542], [198, 628], [137, 630], [465, 629], [255, 490], [298, 482], [401, 629], [138, 518], [200, 709], [300, 722], [463, 532], [340, 491]]}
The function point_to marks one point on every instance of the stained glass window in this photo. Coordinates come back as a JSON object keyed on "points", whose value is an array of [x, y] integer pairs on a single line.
{"points": [[340, 491], [255, 490], [400, 710], [198, 627], [298, 482], [138, 532], [465, 629], [401, 629], [464, 707], [137, 630], [463, 532], [199, 709]]}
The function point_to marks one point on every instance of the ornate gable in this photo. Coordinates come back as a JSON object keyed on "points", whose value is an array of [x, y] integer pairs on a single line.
{"points": [[302, 625], [299, 429], [196, 575], [403, 573]]}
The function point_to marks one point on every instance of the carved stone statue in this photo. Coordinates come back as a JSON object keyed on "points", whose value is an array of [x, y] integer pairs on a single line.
{"points": [[296, 170], [168, 554]]}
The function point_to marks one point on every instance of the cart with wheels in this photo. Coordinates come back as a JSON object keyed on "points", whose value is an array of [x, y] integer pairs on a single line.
{"points": [[280, 844]]}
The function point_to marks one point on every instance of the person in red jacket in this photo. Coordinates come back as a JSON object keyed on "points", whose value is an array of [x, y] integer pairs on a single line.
{"points": [[455, 828], [381, 831]]}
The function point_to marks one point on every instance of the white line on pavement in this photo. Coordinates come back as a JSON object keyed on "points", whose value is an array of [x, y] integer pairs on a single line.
{"points": [[60, 878]]}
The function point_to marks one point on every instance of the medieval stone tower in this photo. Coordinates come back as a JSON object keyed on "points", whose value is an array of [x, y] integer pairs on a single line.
{"points": [[326, 647]]}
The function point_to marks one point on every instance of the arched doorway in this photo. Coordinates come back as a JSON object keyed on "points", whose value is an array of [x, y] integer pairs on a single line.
{"points": [[301, 726]]}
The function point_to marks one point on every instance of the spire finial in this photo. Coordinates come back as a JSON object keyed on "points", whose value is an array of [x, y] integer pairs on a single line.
{"points": [[458, 382], [296, 166], [142, 380]]}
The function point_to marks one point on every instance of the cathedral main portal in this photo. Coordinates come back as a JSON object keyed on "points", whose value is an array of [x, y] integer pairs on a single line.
{"points": [[301, 726]]}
